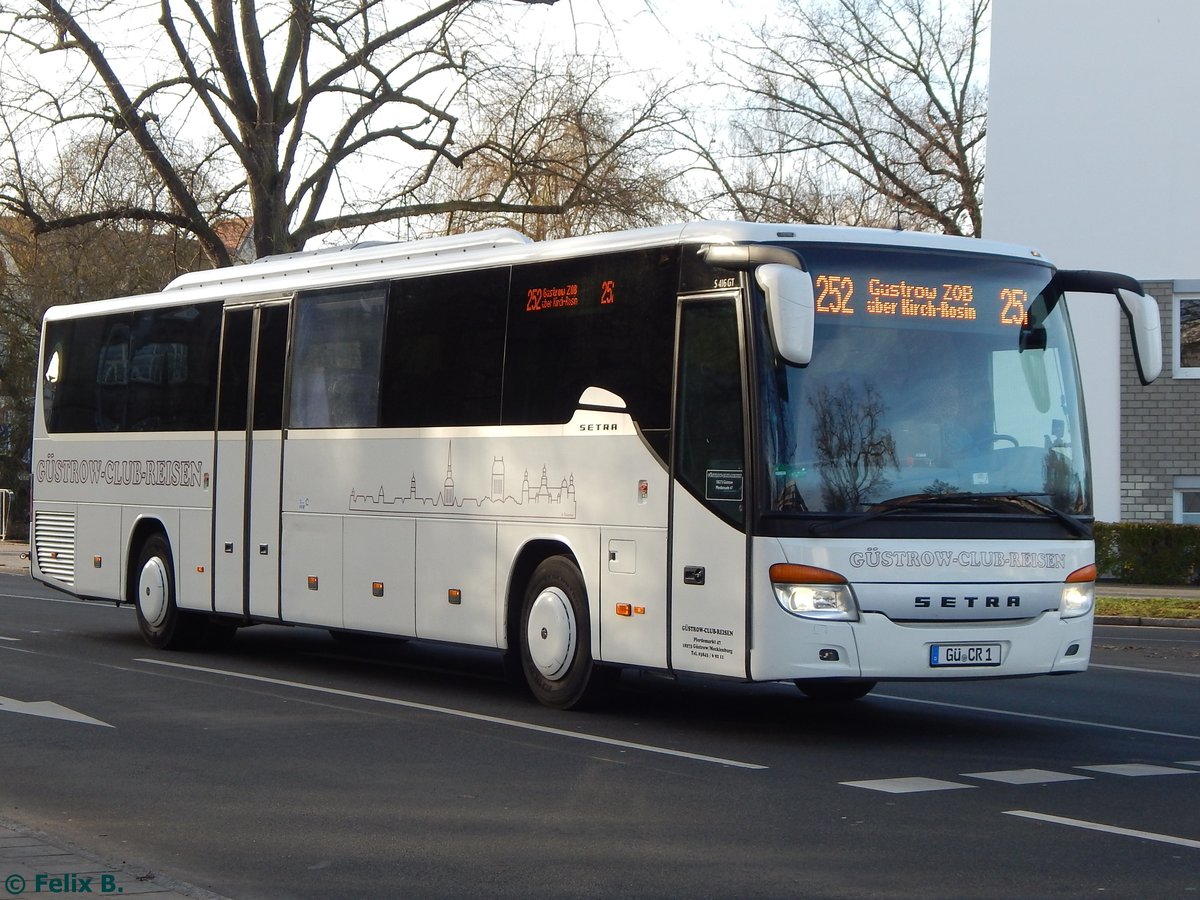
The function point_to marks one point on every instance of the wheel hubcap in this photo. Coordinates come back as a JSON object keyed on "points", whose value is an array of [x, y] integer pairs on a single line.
{"points": [[152, 592], [551, 634]]}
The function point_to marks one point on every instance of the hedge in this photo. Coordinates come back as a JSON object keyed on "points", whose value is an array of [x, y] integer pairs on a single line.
{"points": [[1148, 553]]}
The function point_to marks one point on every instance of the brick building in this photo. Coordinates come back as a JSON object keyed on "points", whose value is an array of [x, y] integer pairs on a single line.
{"points": [[1160, 428]]}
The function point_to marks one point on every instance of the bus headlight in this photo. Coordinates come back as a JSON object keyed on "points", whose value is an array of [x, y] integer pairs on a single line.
{"points": [[814, 593], [1078, 593]]}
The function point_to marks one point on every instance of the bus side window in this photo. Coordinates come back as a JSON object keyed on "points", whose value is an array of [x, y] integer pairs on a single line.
{"points": [[112, 378], [710, 454], [444, 356], [172, 368], [605, 321], [337, 347]]}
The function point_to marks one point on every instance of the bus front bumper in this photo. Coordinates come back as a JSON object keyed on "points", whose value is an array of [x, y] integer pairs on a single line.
{"points": [[877, 649]]}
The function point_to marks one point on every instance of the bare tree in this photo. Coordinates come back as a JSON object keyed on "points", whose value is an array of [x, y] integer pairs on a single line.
{"points": [[566, 148], [293, 101], [853, 449], [70, 265], [859, 112]]}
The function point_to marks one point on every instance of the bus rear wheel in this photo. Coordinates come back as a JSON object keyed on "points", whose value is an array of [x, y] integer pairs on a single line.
{"points": [[835, 691], [555, 635], [162, 623]]}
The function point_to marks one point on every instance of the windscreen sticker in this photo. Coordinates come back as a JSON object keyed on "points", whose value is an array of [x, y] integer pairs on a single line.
{"points": [[723, 484]]}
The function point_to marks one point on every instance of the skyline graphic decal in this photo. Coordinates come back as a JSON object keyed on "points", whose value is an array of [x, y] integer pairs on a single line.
{"points": [[535, 498]]}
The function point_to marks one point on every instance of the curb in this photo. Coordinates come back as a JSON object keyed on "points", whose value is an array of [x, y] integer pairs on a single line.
{"points": [[35, 863]]}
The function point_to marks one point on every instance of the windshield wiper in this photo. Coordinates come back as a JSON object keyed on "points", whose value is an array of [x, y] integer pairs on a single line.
{"points": [[955, 501]]}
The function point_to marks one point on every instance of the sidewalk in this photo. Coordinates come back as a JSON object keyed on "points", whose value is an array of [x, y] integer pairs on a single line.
{"points": [[1147, 591], [14, 556], [34, 864], [1139, 591]]}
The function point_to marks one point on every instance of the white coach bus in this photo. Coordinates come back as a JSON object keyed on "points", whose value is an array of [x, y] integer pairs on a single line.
{"points": [[829, 456]]}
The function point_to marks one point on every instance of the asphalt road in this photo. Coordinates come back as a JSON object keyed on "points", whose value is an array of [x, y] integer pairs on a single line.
{"points": [[290, 766]]}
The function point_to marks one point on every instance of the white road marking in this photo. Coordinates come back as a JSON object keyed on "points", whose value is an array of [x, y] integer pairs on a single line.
{"points": [[1138, 770], [916, 784], [3, 638], [1027, 776], [458, 713], [907, 785], [1144, 671], [47, 710], [99, 603], [1108, 829], [1056, 719]]}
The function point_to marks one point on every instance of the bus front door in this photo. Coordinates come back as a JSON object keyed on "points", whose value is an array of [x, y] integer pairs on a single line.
{"points": [[708, 540], [249, 455]]}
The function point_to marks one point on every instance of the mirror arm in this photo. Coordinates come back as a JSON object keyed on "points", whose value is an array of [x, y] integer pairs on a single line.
{"points": [[1141, 311], [744, 257]]}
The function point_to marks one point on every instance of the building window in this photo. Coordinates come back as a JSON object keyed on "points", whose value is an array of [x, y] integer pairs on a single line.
{"points": [[1189, 507], [1186, 500], [1187, 336]]}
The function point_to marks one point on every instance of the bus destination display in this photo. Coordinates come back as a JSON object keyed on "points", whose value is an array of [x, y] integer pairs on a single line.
{"points": [[903, 299], [538, 299]]}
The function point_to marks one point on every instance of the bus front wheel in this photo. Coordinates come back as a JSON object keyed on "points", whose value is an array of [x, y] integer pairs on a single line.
{"points": [[163, 625], [556, 640]]}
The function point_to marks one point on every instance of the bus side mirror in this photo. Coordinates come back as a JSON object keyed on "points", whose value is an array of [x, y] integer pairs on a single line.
{"points": [[791, 310], [1145, 327]]}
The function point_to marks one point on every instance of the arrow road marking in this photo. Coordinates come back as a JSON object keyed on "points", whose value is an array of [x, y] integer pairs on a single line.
{"points": [[47, 709]]}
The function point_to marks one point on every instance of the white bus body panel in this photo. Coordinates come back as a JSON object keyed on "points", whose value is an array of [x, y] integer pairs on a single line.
{"points": [[105, 486], [230, 499], [708, 620], [193, 559], [390, 609], [457, 556], [98, 530], [633, 572], [311, 592], [924, 596], [264, 545], [428, 512]]}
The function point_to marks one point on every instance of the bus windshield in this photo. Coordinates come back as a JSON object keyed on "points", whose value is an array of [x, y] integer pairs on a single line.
{"points": [[937, 381]]}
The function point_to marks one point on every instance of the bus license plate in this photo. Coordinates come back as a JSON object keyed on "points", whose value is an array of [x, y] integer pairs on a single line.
{"points": [[964, 655]]}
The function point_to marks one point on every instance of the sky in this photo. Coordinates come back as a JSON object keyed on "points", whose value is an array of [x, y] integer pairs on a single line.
{"points": [[661, 36]]}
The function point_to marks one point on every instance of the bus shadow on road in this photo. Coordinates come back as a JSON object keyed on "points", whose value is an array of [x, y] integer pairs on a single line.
{"points": [[475, 680]]}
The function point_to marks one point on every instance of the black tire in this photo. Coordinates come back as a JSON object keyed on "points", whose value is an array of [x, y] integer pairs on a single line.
{"points": [[163, 624], [836, 691], [555, 636]]}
